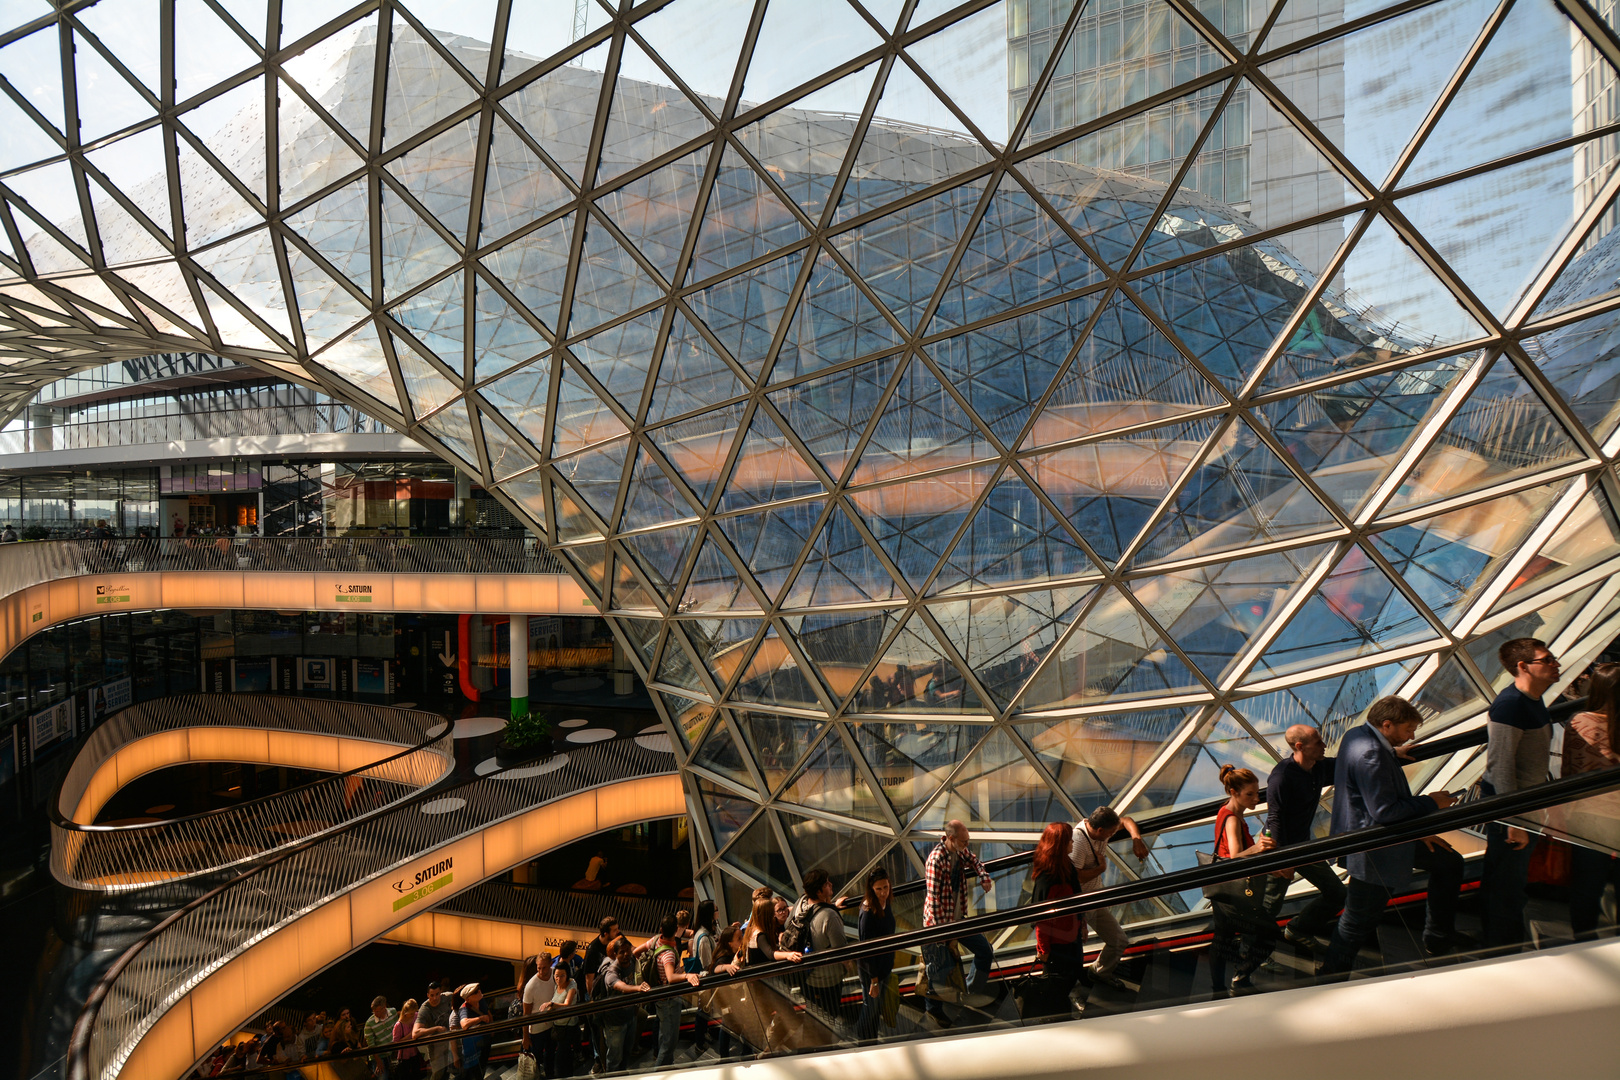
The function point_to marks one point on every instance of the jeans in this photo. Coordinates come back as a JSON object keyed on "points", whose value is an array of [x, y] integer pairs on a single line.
{"points": [[1506, 873], [630, 1042], [1321, 909], [866, 1024], [1589, 873], [1364, 907], [669, 1030], [940, 961]]}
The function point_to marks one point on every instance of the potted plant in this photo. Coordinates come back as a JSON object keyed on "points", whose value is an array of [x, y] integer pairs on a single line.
{"points": [[525, 738]]}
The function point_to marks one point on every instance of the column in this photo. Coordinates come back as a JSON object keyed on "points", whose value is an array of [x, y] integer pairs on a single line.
{"points": [[517, 637]]}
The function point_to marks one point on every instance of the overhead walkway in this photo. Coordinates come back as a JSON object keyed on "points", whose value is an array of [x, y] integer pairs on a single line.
{"points": [[211, 966], [376, 755], [50, 582], [1548, 1012]]}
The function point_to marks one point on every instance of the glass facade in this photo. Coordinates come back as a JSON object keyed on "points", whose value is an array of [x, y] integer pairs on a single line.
{"points": [[978, 410]]}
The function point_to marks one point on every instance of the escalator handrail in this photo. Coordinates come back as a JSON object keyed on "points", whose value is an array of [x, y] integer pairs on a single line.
{"points": [[1475, 812]]}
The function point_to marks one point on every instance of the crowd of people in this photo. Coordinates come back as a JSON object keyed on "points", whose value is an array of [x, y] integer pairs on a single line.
{"points": [[1369, 788]]}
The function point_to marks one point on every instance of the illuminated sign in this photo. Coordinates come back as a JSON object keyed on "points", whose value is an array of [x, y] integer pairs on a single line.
{"points": [[426, 881], [112, 594], [353, 594]]}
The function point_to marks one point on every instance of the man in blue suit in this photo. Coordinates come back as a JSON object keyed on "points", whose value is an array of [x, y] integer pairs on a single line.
{"points": [[1370, 789]]}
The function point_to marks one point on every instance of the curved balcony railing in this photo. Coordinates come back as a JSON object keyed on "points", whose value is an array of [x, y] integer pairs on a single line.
{"points": [[23, 565], [143, 985], [385, 754]]}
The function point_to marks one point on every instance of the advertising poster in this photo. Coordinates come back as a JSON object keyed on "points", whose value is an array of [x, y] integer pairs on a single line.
{"points": [[314, 673], [371, 677], [251, 676], [51, 725]]}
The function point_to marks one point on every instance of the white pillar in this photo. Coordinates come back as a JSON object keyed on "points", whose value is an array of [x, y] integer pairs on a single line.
{"points": [[517, 637]]}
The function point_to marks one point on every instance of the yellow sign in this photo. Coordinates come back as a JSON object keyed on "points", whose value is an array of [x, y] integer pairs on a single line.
{"points": [[353, 594], [426, 881], [112, 594]]}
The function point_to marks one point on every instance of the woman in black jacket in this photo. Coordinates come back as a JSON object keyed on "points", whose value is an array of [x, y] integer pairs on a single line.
{"points": [[876, 921]]}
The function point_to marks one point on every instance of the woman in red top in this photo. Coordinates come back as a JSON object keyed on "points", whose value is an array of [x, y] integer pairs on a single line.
{"points": [[1053, 877], [1242, 935]]}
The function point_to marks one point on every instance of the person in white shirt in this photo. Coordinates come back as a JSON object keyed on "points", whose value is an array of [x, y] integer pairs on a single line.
{"points": [[1090, 856]]}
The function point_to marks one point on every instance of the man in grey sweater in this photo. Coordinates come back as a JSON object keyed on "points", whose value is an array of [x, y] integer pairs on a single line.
{"points": [[1519, 740], [824, 928]]}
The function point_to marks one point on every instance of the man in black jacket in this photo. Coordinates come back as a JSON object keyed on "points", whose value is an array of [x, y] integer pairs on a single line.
{"points": [[1293, 794]]}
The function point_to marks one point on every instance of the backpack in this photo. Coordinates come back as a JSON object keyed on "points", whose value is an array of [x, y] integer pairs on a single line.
{"points": [[796, 933], [648, 969], [693, 964]]}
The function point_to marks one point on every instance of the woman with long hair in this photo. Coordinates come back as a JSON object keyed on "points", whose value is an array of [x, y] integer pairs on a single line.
{"points": [[1053, 877], [1591, 742], [762, 935], [700, 962], [876, 921], [1240, 935]]}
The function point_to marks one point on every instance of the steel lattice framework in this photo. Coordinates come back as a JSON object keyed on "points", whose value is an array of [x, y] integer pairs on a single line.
{"points": [[974, 410]]}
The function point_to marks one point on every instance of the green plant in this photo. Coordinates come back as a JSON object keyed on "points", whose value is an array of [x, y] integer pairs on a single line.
{"points": [[526, 731]]}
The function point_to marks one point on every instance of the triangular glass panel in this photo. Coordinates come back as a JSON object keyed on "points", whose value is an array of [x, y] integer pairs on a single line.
{"points": [[1333, 706], [653, 498], [232, 127], [33, 65], [1018, 256], [1590, 535], [123, 239], [1004, 369], [691, 718], [803, 149], [832, 783], [165, 284], [913, 760], [1108, 65], [439, 173], [768, 468], [412, 252], [437, 316], [234, 327], [1384, 98], [743, 312], [426, 385], [700, 46], [137, 167], [1193, 775], [1033, 34], [1093, 758], [423, 88], [662, 555], [1125, 373], [25, 141], [1114, 654], [900, 154], [1591, 273], [106, 101], [922, 427], [620, 356], [998, 788], [769, 542], [914, 521], [715, 584], [653, 211], [501, 337], [830, 413], [645, 120], [697, 446], [964, 61], [774, 677], [129, 31], [1356, 611], [50, 190], [692, 375], [206, 51], [1003, 638], [462, 25], [558, 110], [723, 645], [643, 635], [518, 186], [520, 397], [1212, 612], [213, 208], [1242, 495], [725, 811], [779, 742], [311, 155], [842, 644], [359, 359], [595, 474], [1511, 100], [915, 676], [1448, 697], [610, 282], [758, 854], [246, 268], [534, 267], [742, 221], [452, 427], [573, 523], [833, 322], [840, 569], [1013, 538], [720, 753], [1502, 431], [47, 254], [323, 70], [1449, 559], [336, 227], [797, 43], [629, 592], [904, 255], [506, 456], [836, 848], [582, 417], [1348, 436]]}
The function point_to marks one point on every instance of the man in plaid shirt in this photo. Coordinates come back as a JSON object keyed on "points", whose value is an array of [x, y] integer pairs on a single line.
{"points": [[947, 878]]}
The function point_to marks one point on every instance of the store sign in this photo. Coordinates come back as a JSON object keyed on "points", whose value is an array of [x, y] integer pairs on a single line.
{"points": [[353, 594], [52, 724], [117, 593], [423, 882]]}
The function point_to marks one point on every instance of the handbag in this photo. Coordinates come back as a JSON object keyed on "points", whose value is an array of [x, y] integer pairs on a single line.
{"points": [[1249, 891], [1550, 862], [528, 1066]]}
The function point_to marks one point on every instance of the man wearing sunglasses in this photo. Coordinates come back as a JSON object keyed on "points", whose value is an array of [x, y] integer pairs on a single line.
{"points": [[1520, 737]]}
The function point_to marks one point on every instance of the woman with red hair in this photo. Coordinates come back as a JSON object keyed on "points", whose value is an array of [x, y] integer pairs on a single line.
{"points": [[1053, 877]]}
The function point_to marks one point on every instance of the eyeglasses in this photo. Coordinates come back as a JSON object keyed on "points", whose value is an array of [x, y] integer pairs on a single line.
{"points": [[1543, 660]]}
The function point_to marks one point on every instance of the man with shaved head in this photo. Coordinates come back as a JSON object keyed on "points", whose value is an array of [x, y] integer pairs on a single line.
{"points": [[1293, 794]]}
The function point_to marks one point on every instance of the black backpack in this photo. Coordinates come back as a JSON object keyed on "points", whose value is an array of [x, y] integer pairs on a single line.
{"points": [[796, 932]]}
